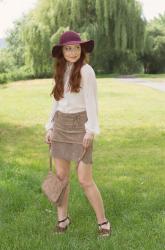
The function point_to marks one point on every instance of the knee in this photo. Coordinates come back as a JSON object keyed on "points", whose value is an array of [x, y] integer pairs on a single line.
{"points": [[62, 177], [85, 183]]}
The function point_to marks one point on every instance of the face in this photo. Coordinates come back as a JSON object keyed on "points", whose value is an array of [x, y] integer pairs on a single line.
{"points": [[72, 52]]}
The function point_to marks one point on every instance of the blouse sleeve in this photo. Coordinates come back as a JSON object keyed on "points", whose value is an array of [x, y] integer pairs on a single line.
{"points": [[90, 96], [50, 123]]}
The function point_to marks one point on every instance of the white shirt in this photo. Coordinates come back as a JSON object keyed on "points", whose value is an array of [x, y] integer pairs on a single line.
{"points": [[73, 102]]}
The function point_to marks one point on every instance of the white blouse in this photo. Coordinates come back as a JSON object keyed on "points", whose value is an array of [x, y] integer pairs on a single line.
{"points": [[86, 99]]}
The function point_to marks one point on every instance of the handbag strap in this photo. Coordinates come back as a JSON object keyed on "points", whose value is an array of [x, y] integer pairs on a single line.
{"points": [[50, 157]]}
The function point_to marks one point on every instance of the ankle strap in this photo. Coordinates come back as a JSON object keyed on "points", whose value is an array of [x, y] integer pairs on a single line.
{"points": [[105, 222], [63, 220]]}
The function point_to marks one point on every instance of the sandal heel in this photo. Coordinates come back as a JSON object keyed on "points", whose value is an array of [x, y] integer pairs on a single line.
{"points": [[59, 229], [104, 231]]}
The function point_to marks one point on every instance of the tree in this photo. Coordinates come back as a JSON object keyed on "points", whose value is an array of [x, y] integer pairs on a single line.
{"points": [[7, 61], [117, 26], [154, 51], [15, 43], [36, 39], [121, 33]]}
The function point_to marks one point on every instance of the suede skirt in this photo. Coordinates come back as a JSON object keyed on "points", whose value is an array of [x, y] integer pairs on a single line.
{"points": [[67, 137]]}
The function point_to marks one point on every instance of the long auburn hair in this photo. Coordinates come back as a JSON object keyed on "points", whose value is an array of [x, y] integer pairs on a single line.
{"points": [[75, 77]]}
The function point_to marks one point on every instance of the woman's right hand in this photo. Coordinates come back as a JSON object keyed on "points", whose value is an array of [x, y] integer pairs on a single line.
{"points": [[48, 136]]}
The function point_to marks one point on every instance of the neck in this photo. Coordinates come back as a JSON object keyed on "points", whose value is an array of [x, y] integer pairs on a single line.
{"points": [[69, 63], [69, 66]]}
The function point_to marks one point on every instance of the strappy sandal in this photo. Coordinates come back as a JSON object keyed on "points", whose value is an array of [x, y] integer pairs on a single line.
{"points": [[104, 231], [59, 229]]}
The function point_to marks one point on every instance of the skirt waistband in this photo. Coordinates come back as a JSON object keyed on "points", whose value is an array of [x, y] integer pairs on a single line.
{"points": [[71, 115]]}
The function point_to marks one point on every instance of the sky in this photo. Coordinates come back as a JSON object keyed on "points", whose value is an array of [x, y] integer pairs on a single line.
{"points": [[11, 10], [152, 8]]}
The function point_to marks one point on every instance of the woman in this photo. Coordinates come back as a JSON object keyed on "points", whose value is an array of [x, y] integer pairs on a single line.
{"points": [[73, 123]]}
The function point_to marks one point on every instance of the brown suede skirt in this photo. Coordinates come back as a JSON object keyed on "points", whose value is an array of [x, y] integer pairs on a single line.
{"points": [[67, 137]]}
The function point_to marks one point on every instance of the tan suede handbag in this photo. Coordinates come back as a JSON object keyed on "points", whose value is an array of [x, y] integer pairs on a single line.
{"points": [[52, 186]]}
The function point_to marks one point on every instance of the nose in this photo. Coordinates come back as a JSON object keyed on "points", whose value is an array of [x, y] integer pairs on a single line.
{"points": [[73, 51]]}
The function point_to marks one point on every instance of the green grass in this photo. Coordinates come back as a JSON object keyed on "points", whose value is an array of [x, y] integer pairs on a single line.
{"points": [[129, 160], [160, 77], [142, 75]]}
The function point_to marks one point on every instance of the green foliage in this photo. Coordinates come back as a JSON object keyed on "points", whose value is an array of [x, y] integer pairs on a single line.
{"points": [[116, 26], [120, 32], [127, 63], [154, 50], [7, 61], [37, 46], [16, 46], [3, 78], [21, 73]]}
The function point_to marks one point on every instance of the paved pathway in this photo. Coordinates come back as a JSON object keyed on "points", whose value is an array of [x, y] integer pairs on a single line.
{"points": [[159, 85]]}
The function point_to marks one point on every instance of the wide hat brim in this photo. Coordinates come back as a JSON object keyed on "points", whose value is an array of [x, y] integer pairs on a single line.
{"points": [[88, 45]]}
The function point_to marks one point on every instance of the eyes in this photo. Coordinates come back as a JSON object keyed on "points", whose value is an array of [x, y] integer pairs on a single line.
{"points": [[69, 49]]}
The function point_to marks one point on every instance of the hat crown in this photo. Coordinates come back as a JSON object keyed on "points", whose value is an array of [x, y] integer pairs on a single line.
{"points": [[69, 36]]}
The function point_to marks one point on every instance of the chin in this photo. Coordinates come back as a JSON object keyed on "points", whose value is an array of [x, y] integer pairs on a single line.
{"points": [[73, 60]]}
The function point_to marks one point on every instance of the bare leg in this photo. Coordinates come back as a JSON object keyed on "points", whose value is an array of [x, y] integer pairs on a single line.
{"points": [[63, 171], [84, 172]]}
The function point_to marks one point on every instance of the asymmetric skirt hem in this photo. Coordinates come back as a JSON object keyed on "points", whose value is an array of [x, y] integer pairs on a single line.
{"points": [[71, 152]]}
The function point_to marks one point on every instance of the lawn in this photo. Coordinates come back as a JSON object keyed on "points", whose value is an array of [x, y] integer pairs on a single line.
{"points": [[129, 163]]}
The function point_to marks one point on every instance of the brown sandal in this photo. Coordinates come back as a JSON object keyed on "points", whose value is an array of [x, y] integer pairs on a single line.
{"points": [[59, 229], [104, 231]]}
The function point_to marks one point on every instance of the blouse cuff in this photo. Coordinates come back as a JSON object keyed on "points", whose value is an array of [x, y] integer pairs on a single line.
{"points": [[92, 131], [48, 126]]}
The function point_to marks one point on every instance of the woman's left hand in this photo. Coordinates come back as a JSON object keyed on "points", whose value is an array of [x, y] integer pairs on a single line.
{"points": [[87, 140]]}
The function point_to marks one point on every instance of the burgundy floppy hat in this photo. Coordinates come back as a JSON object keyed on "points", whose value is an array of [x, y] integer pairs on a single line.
{"points": [[71, 37]]}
